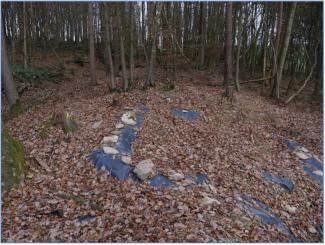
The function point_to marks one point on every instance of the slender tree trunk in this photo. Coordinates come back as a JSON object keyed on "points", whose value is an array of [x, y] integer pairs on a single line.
{"points": [[109, 60], [239, 40], [228, 50], [203, 34], [276, 49], [6, 76], [125, 78], [25, 35], [131, 44], [282, 55], [91, 44], [151, 81]]}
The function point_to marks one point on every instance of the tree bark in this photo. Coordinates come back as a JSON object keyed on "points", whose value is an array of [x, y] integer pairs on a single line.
{"points": [[109, 60], [228, 50], [131, 44], [203, 34], [239, 39], [125, 78], [91, 44], [25, 35], [282, 55], [8, 82]]}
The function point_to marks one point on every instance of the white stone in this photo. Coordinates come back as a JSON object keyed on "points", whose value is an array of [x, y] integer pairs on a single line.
{"points": [[119, 125], [116, 132], [302, 155], [175, 176], [110, 150], [312, 230], [110, 139], [128, 118], [207, 201], [318, 172], [303, 149], [143, 169], [290, 209], [126, 159], [96, 125]]}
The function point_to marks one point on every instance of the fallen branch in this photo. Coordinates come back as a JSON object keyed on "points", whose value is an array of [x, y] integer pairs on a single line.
{"points": [[307, 79], [255, 80], [42, 164]]}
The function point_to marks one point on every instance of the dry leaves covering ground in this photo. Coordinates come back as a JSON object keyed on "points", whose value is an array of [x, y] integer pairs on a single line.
{"points": [[231, 143]]}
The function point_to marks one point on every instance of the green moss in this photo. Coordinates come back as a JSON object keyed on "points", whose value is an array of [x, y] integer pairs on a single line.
{"points": [[15, 110], [13, 167]]}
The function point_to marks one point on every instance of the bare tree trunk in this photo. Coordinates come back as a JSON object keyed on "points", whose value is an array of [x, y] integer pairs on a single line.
{"points": [[282, 55], [91, 44], [203, 34], [239, 39], [125, 78], [6, 76], [150, 80], [228, 50], [109, 59], [131, 44], [25, 35], [276, 49]]}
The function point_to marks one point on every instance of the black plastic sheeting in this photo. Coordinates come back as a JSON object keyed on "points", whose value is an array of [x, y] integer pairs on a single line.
{"points": [[187, 114], [160, 181], [115, 167], [163, 181], [282, 181], [260, 209], [292, 145], [310, 165], [113, 163]]}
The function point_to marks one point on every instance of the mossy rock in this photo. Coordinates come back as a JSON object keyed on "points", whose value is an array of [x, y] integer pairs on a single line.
{"points": [[13, 160]]}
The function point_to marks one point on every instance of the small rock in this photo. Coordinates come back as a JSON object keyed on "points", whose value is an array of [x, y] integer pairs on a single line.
{"points": [[302, 155], [311, 229], [126, 159], [96, 125], [129, 118], [207, 201], [110, 139], [303, 149], [116, 132], [119, 125], [290, 209], [318, 172], [175, 176], [110, 150], [144, 169]]}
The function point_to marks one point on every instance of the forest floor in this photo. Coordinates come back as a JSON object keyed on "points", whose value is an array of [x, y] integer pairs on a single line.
{"points": [[233, 143]]}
